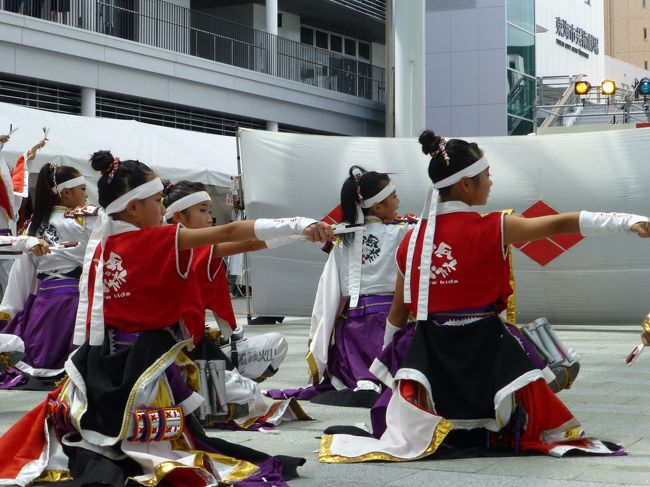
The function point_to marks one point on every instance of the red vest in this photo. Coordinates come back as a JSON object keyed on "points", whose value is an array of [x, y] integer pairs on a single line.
{"points": [[468, 266], [215, 293], [148, 283]]}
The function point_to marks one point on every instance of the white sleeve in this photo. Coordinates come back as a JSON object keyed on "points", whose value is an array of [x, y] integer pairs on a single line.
{"points": [[22, 243], [22, 283], [601, 223], [267, 228], [323, 316]]}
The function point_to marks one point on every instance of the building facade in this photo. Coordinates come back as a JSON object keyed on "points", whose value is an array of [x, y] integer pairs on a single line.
{"points": [[480, 57], [488, 59], [627, 31], [278, 64]]}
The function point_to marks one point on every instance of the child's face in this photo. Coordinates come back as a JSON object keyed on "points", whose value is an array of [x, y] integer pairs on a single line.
{"points": [[387, 209], [150, 211], [74, 197], [196, 216], [482, 186]]}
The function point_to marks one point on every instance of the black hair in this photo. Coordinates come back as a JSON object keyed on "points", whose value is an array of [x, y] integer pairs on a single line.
{"points": [[447, 157], [360, 185], [128, 175], [44, 198], [174, 192]]}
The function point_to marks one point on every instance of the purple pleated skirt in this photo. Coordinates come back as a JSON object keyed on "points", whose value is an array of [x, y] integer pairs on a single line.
{"points": [[359, 339], [46, 326]]}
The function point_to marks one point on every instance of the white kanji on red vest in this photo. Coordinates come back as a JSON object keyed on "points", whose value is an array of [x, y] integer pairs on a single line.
{"points": [[114, 273]]}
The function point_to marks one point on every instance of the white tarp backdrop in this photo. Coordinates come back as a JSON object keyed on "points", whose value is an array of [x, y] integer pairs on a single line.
{"points": [[599, 280], [173, 153]]}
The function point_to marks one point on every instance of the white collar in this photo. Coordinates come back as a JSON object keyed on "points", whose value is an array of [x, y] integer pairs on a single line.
{"points": [[120, 226], [456, 206], [372, 219]]}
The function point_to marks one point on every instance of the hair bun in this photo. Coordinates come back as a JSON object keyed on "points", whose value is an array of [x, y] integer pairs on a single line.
{"points": [[356, 172], [167, 187], [429, 141], [101, 160]]}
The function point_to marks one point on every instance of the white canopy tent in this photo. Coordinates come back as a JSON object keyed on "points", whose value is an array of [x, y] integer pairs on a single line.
{"points": [[598, 280], [174, 154]]}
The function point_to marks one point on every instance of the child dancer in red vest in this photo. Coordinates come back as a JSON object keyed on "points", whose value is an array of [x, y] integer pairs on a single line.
{"points": [[126, 409], [249, 359], [463, 371]]}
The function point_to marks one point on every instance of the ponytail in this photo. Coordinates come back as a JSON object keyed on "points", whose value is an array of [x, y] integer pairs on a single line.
{"points": [[44, 198]]}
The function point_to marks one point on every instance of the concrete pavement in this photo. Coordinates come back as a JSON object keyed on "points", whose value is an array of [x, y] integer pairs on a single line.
{"points": [[611, 400]]}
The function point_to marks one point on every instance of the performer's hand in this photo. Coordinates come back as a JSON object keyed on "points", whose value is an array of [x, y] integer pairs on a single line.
{"points": [[645, 338], [40, 144], [41, 248], [319, 232], [642, 228], [4, 139]]}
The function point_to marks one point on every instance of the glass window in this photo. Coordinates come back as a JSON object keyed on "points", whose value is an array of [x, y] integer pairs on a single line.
{"points": [[350, 47], [307, 36], [522, 13], [336, 43], [521, 95], [321, 39], [521, 50], [519, 126], [364, 51]]}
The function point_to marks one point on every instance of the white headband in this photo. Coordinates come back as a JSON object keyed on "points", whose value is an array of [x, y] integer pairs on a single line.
{"points": [[185, 202], [90, 318], [138, 193], [429, 215], [70, 183], [379, 197], [469, 172]]}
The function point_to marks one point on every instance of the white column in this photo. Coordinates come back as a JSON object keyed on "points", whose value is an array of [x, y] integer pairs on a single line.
{"points": [[409, 68], [272, 28], [272, 17], [88, 103], [271, 126]]}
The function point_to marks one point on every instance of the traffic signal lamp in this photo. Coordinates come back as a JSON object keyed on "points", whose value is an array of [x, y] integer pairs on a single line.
{"points": [[644, 87], [582, 87], [608, 87]]}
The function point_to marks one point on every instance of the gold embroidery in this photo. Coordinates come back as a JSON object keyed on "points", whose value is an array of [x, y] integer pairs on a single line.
{"points": [[190, 369], [325, 453], [313, 368], [54, 476]]}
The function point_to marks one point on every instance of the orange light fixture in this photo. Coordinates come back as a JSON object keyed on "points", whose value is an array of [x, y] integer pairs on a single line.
{"points": [[582, 87], [608, 87]]}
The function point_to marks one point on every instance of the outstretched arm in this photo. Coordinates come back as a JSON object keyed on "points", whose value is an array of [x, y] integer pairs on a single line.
{"points": [[518, 229], [233, 248], [35, 148], [263, 229]]}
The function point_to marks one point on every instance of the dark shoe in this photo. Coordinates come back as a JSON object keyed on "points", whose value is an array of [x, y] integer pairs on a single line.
{"points": [[265, 320]]}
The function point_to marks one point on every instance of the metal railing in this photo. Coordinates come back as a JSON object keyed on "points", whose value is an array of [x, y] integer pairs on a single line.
{"points": [[373, 8], [564, 106], [179, 29], [595, 107]]}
